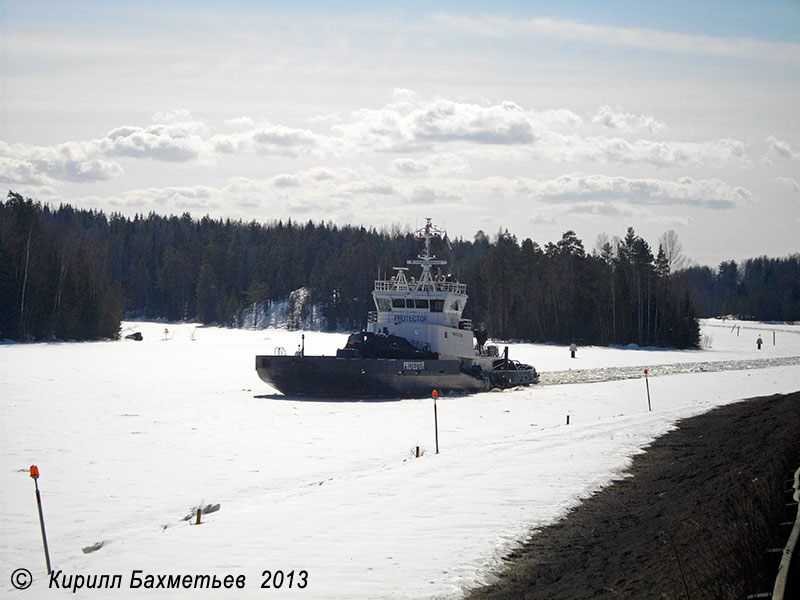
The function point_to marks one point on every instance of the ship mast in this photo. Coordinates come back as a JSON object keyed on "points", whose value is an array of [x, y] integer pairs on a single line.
{"points": [[426, 234], [426, 259]]}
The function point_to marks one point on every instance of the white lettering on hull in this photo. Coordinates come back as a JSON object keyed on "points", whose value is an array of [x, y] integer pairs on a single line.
{"points": [[410, 319], [409, 365]]}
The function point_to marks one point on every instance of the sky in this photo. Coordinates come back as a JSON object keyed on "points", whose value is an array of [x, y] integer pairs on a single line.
{"points": [[535, 117]]}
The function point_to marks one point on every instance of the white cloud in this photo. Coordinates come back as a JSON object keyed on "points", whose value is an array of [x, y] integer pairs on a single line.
{"points": [[322, 174], [627, 37], [706, 193], [71, 161], [559, 147], [437, 138], [556, 119], [437, 165], [243, 186], [781, 149], [444, 120], [173, 143], [285, 181], [180, 115], [611, 119], [239, 123], [169, 199], [374, 197], [431, 194], [277, 139], [411, 125], [789, 183], [383, 129], [315, 206], [378, 185], [13, 170], [543, 218], [325, 119]]}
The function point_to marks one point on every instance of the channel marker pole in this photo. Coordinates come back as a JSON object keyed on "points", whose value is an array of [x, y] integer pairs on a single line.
{"points": [[35, 477], [436, 420]]}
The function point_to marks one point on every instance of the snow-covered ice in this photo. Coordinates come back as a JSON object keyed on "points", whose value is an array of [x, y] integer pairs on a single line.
{"points": [[129, 436]]}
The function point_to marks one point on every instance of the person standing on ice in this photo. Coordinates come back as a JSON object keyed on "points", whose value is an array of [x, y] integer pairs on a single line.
{"points": [[759, 341], [572, 349]]}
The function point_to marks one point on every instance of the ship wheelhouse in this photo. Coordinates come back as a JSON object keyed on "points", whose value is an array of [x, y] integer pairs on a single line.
{"points": [[426, 311]]}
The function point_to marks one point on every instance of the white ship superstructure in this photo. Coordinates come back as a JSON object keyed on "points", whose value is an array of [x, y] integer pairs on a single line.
{"points": [[425, 310]]}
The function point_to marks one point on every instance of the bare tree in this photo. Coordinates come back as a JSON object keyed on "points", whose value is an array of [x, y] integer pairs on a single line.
{"points": [[600, 243], [673, 251], [24, 286]]}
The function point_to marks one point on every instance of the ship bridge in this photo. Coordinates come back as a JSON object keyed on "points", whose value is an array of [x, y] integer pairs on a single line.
{"points": [[425, 310]]}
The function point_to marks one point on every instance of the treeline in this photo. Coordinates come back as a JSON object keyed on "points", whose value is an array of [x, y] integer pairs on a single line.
{"points": [[621, 294], [765, 289], [56, 280], [69, 273]]}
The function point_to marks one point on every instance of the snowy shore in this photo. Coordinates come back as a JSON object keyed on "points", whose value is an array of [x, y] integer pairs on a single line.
{"points": [[129, 436]]}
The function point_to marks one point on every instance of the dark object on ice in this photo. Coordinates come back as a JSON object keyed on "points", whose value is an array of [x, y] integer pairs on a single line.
{"points": [[134, 336], [93, 548], [481, 335], [203, 510], [415, 342], [370, 345]]}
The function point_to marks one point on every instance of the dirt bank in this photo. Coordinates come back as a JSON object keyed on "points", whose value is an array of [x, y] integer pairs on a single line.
{"points": [[693, 520]]}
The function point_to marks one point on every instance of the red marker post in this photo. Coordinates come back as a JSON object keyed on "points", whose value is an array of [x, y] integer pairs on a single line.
{"points": [[647, 383], [35, 477], [436, 420]]}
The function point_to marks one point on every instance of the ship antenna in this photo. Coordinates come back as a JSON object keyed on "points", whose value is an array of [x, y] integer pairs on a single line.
{"points": [[425, 234]]}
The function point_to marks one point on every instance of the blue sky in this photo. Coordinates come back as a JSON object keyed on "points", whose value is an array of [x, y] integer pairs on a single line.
{"points": [[768, 20], [585, 116]]}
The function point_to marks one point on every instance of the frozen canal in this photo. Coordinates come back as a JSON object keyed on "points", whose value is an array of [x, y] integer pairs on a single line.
{"points": [[129, 436]]}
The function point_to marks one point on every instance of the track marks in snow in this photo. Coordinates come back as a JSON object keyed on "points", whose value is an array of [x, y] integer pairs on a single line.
{"points": [[619, 373]]}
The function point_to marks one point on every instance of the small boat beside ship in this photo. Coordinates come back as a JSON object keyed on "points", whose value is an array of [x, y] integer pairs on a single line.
{"points": [[416, 341]]}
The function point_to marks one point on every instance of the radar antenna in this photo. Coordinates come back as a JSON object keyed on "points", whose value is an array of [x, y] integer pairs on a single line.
{"points": [[426, 234]]}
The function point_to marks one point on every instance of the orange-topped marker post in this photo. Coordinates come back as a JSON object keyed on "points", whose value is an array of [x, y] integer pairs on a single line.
{"points": [[35, 477]]}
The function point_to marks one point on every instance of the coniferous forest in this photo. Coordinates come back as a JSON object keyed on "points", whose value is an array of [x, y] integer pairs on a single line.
{"points": [[70, 273]]}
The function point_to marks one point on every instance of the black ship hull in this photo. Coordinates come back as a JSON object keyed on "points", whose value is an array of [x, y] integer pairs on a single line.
{"points": [[361, 378]]}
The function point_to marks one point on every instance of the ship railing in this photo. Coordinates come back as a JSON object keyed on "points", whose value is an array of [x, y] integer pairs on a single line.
{"points": [[383, 285]]}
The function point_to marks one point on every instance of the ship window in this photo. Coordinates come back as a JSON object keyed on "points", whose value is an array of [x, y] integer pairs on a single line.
{"points": [[384, 304], [398, 303], [456, 306], [422, 303], [437, 305], [409, 303]]}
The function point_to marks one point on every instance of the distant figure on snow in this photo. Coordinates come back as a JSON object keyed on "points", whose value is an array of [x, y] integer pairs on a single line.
{"points": [[759, 341], [481, 335], [572, 349]]}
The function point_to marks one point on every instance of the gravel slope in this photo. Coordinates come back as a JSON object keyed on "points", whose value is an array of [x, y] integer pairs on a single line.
{"points": [[692, 520]]}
